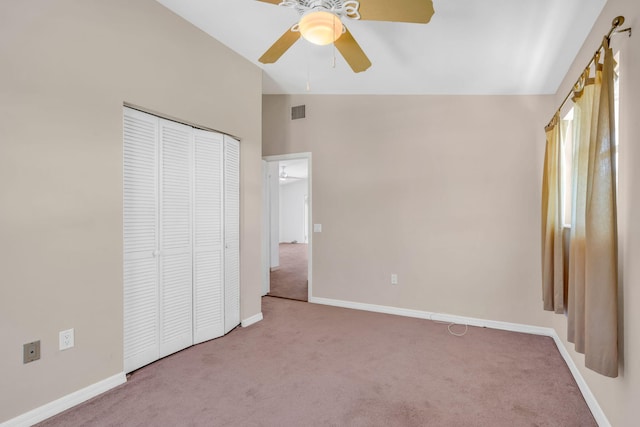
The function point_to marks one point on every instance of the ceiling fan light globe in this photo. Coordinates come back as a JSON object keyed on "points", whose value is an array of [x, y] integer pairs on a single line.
{"points": [[320, 27]]}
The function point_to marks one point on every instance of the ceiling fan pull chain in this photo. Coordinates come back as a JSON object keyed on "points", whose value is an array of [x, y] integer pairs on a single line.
{"points": [[308, 70], [333, 64]]}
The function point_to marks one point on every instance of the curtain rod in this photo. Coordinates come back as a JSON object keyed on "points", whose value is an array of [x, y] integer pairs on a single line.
{"points": [[617, 22]]}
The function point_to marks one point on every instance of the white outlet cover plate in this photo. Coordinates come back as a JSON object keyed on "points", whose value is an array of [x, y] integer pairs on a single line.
{"points": [[66, 339]]}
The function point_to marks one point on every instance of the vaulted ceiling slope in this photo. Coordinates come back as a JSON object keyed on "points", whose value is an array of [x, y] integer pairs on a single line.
{"points": [[469, 47]]}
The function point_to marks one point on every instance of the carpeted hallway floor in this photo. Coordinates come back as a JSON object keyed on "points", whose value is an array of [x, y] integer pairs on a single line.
{"points": [[313, 365], [289, 280]]}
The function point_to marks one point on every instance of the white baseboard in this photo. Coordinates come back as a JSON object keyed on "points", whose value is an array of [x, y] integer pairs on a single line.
{"points": [[251, 320], [589, 398], [57, 406], [439, 317]]}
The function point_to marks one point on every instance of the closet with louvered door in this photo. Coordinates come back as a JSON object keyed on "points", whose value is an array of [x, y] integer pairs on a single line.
{"points": [[181, 282]]}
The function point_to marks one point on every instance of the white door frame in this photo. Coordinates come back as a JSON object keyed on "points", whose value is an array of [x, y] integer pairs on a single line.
{"points": [[278, 158], [266, 229]]}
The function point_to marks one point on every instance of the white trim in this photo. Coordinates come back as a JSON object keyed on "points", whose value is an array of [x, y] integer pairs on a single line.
{"points": [[251, 320], [309, 227], [266, 229], [59, 405], [589, 398]]}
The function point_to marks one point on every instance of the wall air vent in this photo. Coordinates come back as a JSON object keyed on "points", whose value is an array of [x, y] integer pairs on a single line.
{"points": [[297, 112]]}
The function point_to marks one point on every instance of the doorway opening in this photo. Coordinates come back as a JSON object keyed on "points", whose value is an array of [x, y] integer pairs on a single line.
{"points": [[286, 225]]}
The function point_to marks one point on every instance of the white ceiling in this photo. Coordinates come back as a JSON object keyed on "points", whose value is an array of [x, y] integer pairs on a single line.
{"points": [[469, 47]]}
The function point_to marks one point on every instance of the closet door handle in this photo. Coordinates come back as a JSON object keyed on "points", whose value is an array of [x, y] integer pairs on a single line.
{"points": [[155, 253]]}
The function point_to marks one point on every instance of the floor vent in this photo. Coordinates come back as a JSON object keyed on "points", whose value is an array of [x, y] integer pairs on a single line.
{"points": [[297, 112]]}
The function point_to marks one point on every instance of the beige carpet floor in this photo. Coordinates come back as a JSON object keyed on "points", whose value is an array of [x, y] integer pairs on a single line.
{"points": [[313, 365], [289, 280]]}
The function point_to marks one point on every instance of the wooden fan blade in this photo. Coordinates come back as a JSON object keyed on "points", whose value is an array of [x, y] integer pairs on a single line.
{"points": [[418, 11], [352, 52], [276, 2], [279, 47]]}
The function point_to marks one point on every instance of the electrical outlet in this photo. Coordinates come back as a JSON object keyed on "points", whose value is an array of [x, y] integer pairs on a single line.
{"points": [[394, 279], [31, 351], [66, 339]]}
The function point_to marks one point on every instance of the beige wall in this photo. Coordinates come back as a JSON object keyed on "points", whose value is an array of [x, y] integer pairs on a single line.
{"points": [[66, 68], [442, 190], [619, 397]]}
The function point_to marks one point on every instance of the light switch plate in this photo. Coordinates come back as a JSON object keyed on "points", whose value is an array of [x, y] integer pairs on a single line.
{"points": [[317, 228]]}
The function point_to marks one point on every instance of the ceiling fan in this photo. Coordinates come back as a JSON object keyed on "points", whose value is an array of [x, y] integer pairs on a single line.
{"points": [[284, 176], [321, 23]]}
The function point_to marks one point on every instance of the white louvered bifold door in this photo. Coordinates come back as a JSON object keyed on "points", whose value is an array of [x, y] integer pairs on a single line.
{"points": [[175, 237], [140, 220], [208, 292], [231, 233]]}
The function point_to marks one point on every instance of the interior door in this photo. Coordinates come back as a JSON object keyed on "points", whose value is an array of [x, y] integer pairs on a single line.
{"points": [[140, 209], [231, 233], [176, 300], [208, 289]]}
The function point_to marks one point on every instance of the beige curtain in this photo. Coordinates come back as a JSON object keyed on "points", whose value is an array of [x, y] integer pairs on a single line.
{"points": [[601, 244], [592, 280], [582, 113], [552, 256]]}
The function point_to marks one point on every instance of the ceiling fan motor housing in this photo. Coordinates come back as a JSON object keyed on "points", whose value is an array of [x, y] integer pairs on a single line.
{"points": [[340, 8]]}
